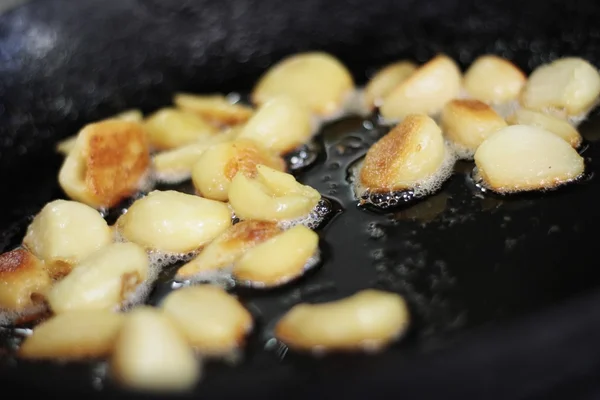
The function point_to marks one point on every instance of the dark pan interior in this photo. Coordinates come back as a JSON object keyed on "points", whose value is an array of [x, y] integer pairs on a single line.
{"points": [[503, 290]]}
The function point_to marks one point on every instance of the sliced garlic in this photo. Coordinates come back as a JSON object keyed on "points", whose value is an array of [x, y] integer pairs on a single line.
{"points": [[174, 222], [316, 79], [367, 320], [176, 165], [467, 123], [271, 196], [64, 233], [425, 91], [280, 124], [553, 124], [65, 146], [102, 281], [214, 108], [520, 158], [216, 167], [407, 156], [108, 163], [169, 128], [568, 84], [213, 321], [494, 80], [229, 246], [73, 335], [385, 80], [24, 280], [151, 355], [279, 259]]}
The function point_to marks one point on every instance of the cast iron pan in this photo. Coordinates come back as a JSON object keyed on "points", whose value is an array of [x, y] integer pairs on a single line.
{"points": [[504, 291]]}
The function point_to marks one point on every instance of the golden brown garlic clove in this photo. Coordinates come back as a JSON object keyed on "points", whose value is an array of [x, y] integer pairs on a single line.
{"points": [[494, 80], [386, 80], [556, 125], [215, 108], [24, 280], [170, 128]]}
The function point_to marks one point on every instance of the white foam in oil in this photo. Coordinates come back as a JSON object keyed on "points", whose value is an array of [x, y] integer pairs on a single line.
{"points": [[311, 220]]}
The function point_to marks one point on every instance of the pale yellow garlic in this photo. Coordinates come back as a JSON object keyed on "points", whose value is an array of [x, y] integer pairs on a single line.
{"points": [[74, 335], [271, 196], [551, 123], [229, 246], [150, 354], [64, 233], [570, 85], [494, 80], [316, 79], [216, 167], [425, 91], [214, 322], [521, 158], [279, 259], [24, 280], [385, 80], [174, 222], [367, 320], [214, 108], [102, 281], [169, 128], [108, 163], [280, 124]]}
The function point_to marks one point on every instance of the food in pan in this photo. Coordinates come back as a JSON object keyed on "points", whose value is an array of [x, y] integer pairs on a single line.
{"points": [[551, 123], [216, 108], [494, 80], [170, 128], [385, 80]]}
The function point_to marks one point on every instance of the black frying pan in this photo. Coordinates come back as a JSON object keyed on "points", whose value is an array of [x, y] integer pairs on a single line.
{"points": [[503, 290]]}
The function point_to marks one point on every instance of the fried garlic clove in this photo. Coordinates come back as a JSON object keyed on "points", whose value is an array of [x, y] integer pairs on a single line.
{"points": [[108, 163], [169, 128], [229, 246], [408, 155], [24, 280], [494, 80], [214, 322], [280, 124], [102, 281], [467, 123], [278, 260], [425, 91], [214, 108], [568, 84], [556, 125], [73, 335], [173, 222], [385, 80], [367, 320], [64, 233], [151, 355], [521, 158], [271, 196], [216, 167], [316, 79]]}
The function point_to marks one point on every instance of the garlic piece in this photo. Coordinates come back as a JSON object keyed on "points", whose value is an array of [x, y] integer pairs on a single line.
{"points": [[280, 124], [151, 355], [408, 155], [520, 158], [553, 124], [467, 123], [102, 281], [64, 233], [367, 320], [214, 108], [271, 196], [385, 80], [316, 79], [278, 260], [570, 84], [425, 91], [73, 335], [108, 163], [169, 128], [173, 222], [213, 321], [216, 167], [229, 246], [24, 281], [494, 80]]}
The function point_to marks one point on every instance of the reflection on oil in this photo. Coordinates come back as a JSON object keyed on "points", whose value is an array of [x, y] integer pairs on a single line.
{"points": [[424, 211]]}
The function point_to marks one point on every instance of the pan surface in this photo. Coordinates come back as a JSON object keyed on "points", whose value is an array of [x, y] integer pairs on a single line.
{"points": [[503, 290]]}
